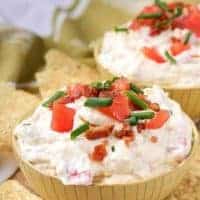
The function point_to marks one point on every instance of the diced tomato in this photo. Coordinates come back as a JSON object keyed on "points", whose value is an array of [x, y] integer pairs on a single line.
{"points": [[78, 90], [99, 153], [190, 21], [153, 54], [138, 23], [121, 84], [119, 109], [159, 120], [178, 47], [62, 118]]}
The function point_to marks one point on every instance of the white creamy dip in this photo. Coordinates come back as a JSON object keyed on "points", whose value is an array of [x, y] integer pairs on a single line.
{"points": [[56, 154], [121, 55]]}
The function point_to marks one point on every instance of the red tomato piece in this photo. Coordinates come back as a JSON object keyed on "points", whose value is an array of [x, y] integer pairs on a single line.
{"points": [[121, 84], [62, 118], [178, 47], [191, 21], [138, 23], [99, 153], [153, 54], [159, 120], [120, 108]]}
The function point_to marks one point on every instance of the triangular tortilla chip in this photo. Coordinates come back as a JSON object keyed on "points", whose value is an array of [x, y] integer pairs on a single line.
{"points": [[14, 106], [61, 70]]}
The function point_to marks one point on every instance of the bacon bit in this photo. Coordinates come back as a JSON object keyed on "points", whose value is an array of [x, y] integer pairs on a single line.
{"points": [[129, 139], [108, 93], [154, 106], [125, 132], [99, 132], [140, 127], [154, 139], [99, 153], [78, 90]]}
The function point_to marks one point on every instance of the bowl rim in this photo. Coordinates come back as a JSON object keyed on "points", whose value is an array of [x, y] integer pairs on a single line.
{"points": [[195, 144], [96, 46]]}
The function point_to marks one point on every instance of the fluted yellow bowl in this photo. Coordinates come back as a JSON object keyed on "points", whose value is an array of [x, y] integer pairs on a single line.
{"points": [[187, 97], [156, 188]]}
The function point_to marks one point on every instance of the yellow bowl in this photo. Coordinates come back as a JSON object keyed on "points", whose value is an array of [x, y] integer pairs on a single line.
{"points": [[156, 188], [187, 97]]}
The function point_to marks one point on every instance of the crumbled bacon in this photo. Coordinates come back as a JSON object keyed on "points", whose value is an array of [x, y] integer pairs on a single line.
{"points": [[154, 139], [141, 127], [78, 90], [154, 106], [99, 153], [99, 132], [125, 132], [128, 140]]}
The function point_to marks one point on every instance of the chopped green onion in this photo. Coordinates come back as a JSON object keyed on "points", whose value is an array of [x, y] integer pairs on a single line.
{"points": [[143, 115], [162, 5], [98, 85], [136, 100], [149, 15], [187, 37], [133, 121], [113, 148], [75, 133], [107, 84], [170, 57], [177, 12], [121, 29], [98, 102], [114, 78], [136, 89], [103, 85], [53, 98]]}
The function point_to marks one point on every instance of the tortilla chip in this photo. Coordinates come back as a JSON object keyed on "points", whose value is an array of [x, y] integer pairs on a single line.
{"points": [[12, 190], [14, 106], [61, 70], [189, 189]]}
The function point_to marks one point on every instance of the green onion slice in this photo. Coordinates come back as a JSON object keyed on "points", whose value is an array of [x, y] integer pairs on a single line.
{"points": [[136, 89], [75, 133], [177, 12], [187, 37], [136, 100], [98, 85], [98, 102], [162, 5], [53, 98], [133, 120], [143, 115], [121, 29], [149, 15], [170, 57]]}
